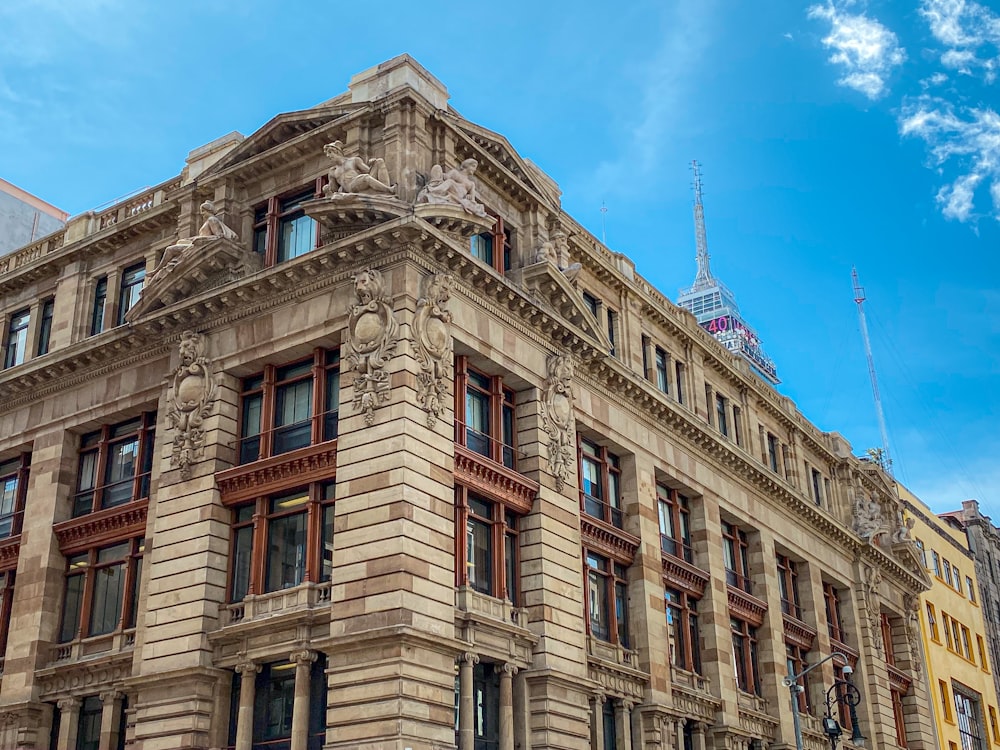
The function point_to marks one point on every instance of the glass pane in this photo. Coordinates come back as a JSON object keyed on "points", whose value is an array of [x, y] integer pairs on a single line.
{"points": [[242, 551], [286, 551], [296, 236], [292, 419], [130, 621], [251, 415], [106, 607], [326, 550], [592, 479], [72, 605], [332, 405], [621, 613], [598, 606], [508, 437], [510, 562], [274, 704], [480, 556], [477, 421], [89, 724], [119, 473], [8, 501]]}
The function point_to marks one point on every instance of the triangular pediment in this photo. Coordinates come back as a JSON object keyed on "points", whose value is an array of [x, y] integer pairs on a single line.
{"points": [[282, 129], [548, 283], [202, 266], [875, 473], [908, 556], [500, 149]]}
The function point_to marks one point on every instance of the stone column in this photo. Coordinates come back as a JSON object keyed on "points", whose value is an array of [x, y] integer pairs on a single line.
{"points": [[507, 672], [69, 720], [111, 706], [597, 722], [300, 709], [522, 713], [623, 725], [244, 718], [698, 735], [466, 708]]}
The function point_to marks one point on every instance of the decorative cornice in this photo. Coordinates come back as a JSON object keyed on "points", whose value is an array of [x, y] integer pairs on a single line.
{"points": [[681, 574], [797, 632], [294, 469], [746, 606], [493, 479], [898, 680], [107, 525], [10, 549], [608, 540]]}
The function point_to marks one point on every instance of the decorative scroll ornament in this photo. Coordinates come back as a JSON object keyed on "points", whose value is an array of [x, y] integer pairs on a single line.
{"points": [[371, 342], [557, 417], [432, 336], [873, 580], [190, 402]]}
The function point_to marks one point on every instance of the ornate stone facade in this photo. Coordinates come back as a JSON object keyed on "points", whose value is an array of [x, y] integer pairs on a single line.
{"points": [[201, 537]]}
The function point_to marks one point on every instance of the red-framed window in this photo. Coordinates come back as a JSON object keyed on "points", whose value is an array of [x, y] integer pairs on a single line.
{"points": [[834, 622], [282, 540], [6, 603], [607, 598], [281, 229], [745, 656], [13, 490], [600, 483], [494, 248], [796, 661], [484, 414], [682, 626], [290, 406], [114, 465], [133, 279], [736, 555], [885, 623], [843, 710], [675, 525], [488, 558], [101, 595], [788, 586], [17, 338], [899, 718]]}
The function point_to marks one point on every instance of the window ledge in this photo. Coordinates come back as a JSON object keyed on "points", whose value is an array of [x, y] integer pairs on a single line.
{"points": [[278, 473], [10, 549], [898, 679], [690, 680], [612, 652], [797, 632], [746, 606], [496, 480], [260, 606], [683, 575], [108, 525], [608, 540], [467, 599], [99, 645]]}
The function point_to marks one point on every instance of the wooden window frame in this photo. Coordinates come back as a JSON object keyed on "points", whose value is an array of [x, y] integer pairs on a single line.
{"points": [[501, 238], [788, 577], [269, 215], [8, 580], [125, 303], [685, 608], [680, 517], [503, 524], [315, 506], [932, 624], [144, 434], [14, 355], [834, 620], [738, 542], [746, 651], [19, 469], [899, 717], [799, 656], [501, 399], [130, 586], [324, 361], [888, 650], [609, 464], [616, 576]]}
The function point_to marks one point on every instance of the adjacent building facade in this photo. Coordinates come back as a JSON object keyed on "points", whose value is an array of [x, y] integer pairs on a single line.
{"points": [[951, 618], [25, 218], [350, 437]]}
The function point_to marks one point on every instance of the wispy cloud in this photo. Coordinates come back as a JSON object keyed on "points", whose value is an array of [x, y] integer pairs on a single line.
{"points": [[866, 50], [965, 138], [968, 31]]}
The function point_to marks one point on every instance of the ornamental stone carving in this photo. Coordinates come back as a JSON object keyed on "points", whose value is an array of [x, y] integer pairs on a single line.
{"points": [[213, 228], [557, 417], [912, 606], [372, 335], [190, 402], [352, 175], [454, 187], [903, 532], [868, 522], [433, 351], [556, 251], [873, 603]]}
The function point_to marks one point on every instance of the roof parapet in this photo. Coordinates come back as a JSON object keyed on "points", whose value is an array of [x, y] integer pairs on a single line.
{"points": [[399, 72]]}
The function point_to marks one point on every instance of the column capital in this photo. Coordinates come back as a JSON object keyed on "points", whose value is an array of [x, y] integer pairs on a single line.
{"points": [[108, 696], [70, 703], [627, 704], [598, 696], [506, 669], [469, 658], [247, 668], [304, 656]]}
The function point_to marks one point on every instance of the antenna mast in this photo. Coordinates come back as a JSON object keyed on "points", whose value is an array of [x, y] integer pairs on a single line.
{"points": [[604, 224], [859, 298], [704, 275]]}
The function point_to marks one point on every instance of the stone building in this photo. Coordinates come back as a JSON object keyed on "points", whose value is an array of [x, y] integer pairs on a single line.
{"points": [[350, 437]]}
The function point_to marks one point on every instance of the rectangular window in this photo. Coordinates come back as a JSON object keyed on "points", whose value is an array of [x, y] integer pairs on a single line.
{"points": [[932, 623], [281, 229], [613, 332], [17, 339], [115, 465], [984, 663], [97, 311], [284, 547], [661, 370], [738, 426], [600, 483], [6, 601], [796, 659], [970, 587], [816, 484], [274, 699], [290, 407], [967, 644], [994, 726], [788, 586], [675, 524], [745, 661], [831, 599], [772, 452], [491, 545], [88, 729], [646, 346], [13, 489], [949, 639], [936, 563], [899, 717], [888, 646], [607, 597], [736, 554], [969, 713], [682, 630], [485, 422], [946, 702], [722, 414], [679, 373], [947, 574], [45, 326], [133, 278], [958, 579], [923, 552], [592, 303], [102, 589]]}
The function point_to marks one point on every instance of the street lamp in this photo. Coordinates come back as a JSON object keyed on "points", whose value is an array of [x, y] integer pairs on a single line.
{"points": [[850, 697], [829, 723]]}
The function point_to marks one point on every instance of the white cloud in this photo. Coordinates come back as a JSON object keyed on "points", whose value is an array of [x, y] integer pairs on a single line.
{"points": [[969, 139], [967, 30], [863, 47]]}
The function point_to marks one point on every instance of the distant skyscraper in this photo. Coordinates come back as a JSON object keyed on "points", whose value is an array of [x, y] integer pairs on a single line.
{"points": [[714, 306], [25, 218]]}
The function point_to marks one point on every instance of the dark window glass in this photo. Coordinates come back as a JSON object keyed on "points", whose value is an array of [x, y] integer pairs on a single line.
{"points": [[88, 733], [486, 422], [682, 626], [133, 278], [109, 589], [745, 656], [600, 487], [97, 311], [591, 302], [296, 231], [721, 414], [772, 452], [735, 552], [674, 514], [45, 326], [242, 552], [13, 488], [661, 370], [679, 371], [286, 541], [122, 456], [17, 339], [73, 598], [607, 599]]}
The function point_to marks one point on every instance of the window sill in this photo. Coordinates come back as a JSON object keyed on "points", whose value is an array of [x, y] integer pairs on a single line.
{"points": [[612, 652], [467, 599], [751, 702], [261, 606], [98, 645], [109, 525], [278, 473], [495, 480], [690, 680]]}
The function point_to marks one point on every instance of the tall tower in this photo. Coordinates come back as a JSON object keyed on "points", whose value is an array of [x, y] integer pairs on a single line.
{"points": [[714, 306]]}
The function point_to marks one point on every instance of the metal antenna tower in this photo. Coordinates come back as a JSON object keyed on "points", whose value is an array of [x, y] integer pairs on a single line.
{"points": [[859, 298], [704, 276], [604, 224]]}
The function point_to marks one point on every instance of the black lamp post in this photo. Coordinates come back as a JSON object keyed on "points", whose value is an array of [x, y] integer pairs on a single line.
{"points": [[850, 697]]}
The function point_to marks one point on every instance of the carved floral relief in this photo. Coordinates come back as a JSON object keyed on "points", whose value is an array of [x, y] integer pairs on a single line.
{"points": [[190, 402], [557, 417], [372, 335], [433, 351]]}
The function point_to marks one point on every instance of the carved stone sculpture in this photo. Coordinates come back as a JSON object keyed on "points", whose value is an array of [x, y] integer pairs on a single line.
{"points": [[557, 417], [212, 228], [190, 402], [911, 605], [904, 529], [873, 603], [868, 522], [352, 175], [455, 187], [372, 337], [556, 251], [432, 336]]}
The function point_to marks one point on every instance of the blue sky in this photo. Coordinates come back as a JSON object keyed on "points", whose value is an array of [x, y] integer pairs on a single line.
{"points": [[831, 134]]}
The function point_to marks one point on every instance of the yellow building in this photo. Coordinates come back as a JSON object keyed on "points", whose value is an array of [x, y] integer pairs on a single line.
{"points": [[953, 633]]}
